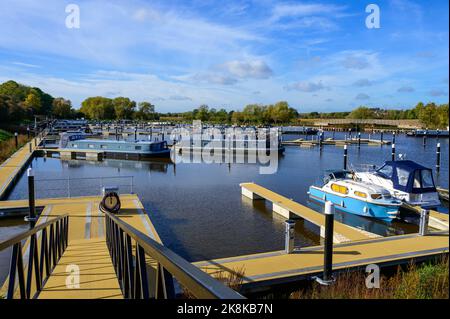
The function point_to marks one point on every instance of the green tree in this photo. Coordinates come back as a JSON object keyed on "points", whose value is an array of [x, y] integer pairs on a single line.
{"points": [[33, 102], [62, 108], [98, 108], [146, 111], [123, 108], [362, 112]]}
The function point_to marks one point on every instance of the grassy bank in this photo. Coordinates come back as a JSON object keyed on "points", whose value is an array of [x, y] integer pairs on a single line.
{"points": [[427, 281], [8, 144]]}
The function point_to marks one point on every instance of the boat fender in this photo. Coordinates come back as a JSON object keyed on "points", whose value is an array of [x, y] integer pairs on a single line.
{"points": [[366, 209]]}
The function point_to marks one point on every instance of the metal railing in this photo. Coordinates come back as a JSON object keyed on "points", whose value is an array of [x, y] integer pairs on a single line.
{"points": [[53, 243], [131, 268], [75, 187]]}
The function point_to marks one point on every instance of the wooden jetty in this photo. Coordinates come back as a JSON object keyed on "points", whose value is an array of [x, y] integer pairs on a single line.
{"points": [[290, 209], [443, 193], [68, 154], [266, 270], [329, 141], [12, 168]]}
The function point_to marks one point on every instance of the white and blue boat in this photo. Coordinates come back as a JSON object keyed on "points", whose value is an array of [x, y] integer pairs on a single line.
{"points": [[355, 197]]}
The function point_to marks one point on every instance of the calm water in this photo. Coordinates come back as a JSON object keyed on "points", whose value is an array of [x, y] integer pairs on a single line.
{"points": [[198, 209]]}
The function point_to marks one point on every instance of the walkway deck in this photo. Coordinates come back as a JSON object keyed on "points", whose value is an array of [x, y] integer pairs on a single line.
{"points": [[343, 232], [13, 167], [266, 269], [87, 245]]}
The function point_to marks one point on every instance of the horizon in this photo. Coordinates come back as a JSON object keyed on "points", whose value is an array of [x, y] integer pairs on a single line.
{"points": [[317, 56]]}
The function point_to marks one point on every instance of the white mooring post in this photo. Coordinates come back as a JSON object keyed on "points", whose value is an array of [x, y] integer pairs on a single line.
{"points": [[289, 236], [423, 224]]}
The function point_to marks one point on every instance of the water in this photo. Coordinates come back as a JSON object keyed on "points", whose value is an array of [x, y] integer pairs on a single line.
{"points": [[198, 209]]}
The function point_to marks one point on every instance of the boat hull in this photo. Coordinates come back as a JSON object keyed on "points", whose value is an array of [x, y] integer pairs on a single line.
{"points": [[354, 206]]}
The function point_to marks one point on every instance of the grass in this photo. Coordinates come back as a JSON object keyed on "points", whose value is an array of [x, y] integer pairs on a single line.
{"points": [[8, 144], [232, 279], [427, 281]]}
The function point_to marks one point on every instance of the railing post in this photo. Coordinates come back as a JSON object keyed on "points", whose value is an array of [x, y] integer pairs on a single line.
{"points": [[289, 236], [393, 152], [423, 224]]}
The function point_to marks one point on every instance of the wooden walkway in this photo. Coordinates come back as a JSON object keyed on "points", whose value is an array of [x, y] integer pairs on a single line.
{"points": [[287, 207], [11, 169], [266, 269], [87, 246]]}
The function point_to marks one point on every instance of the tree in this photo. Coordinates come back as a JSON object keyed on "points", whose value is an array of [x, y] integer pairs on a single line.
{"points": [[428, 115], [146, 111], [62, 108], [362, 112], [33, 102], [123, 108], [98, 108]]}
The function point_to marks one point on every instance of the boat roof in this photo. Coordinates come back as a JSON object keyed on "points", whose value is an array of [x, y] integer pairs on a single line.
{"points": [[118, 142], [406, 164]]}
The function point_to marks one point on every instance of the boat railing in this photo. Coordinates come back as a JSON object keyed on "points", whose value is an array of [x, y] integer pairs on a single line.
{"points": [[82, 186]]}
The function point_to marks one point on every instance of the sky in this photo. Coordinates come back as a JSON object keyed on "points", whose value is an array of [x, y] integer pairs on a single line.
{"points": [[316, 55]]}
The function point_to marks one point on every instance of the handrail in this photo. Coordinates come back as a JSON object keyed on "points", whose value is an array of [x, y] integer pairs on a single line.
{"points": [[50, 251], [133, 275]]}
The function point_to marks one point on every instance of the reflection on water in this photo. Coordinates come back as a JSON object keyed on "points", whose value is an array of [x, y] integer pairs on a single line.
{"points": [[199, 211], [8, 229]]}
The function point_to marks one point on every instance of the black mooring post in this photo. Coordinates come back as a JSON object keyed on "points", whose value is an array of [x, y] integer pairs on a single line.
{"points": [[28, 131], [359, 139], [424, 142], [16, 139], [135, 134], [393, 137], [438, 157], [345, 156], [381, 138], [31, 198], [328, 249], [393, 152], [29, 144]]}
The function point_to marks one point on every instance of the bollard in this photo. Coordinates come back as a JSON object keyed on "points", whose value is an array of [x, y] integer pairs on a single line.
{"points": [[393, 137], [345, 156], [424, 142], [438, 156], [328, 249], [423, 224], [393, 152], [28, 131], [135, 134], [334, 130], [289, 236], [359, 139], [31, 150], [381, 138], [31, 198], [16, 139]]}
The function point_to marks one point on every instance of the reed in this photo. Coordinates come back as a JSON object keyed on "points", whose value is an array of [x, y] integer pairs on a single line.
{"points": [[8, 146], [427, 281]]}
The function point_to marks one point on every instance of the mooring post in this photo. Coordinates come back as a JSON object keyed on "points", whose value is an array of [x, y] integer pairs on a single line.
{"points": [[393, 137], [345, 156], [438, 156], [393, 152], [289, 236], [328, 249], [381, 138], [334, 130], [28, 131], [359, 139], [31, 198], [423, 224], [424, 142], [16, 139], [135, 134], [31, 149]]}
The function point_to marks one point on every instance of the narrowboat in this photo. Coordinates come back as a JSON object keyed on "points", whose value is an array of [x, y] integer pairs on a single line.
{"points": [[407, 181], [355, 197], [112, 148]]}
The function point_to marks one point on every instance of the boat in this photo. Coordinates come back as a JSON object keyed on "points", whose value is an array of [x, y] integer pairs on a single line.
{"points": [[112, 148], [428, 133], [350, 195], [407, 181]]}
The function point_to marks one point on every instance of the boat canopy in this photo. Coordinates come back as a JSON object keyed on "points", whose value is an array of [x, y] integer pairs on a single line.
{"points": [[408, 176]]}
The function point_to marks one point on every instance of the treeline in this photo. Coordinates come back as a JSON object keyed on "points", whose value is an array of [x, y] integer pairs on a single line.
{"points": [[119, 108], [430, 115], [20, 102]]}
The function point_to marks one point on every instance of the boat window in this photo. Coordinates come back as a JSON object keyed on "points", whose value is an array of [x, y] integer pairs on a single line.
{"points": [[138, 147], [386, 170], [104, 146], [91, 146], [403, 176], [339, 188], [361, 194], [417, 179], [427, 179], [376, 196]]}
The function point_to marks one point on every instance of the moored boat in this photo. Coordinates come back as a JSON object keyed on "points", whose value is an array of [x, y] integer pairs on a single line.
{"points": [[355, 197]]}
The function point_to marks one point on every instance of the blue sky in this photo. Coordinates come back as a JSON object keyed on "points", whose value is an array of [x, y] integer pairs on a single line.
{"points": [[317, 55]]}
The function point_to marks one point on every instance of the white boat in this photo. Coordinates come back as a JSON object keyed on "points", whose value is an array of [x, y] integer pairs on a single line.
{"points": [[350, 195], [407, 181]]}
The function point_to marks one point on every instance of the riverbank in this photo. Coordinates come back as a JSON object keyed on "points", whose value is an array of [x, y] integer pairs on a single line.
{"points": [[8, 144], [425, 281]]}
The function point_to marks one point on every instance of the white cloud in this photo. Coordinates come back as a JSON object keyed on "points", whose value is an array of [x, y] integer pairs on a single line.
{"points": [[302, 10], [256, 69], [362, 96], [305, 86], [406, 89], [362, 82]]}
